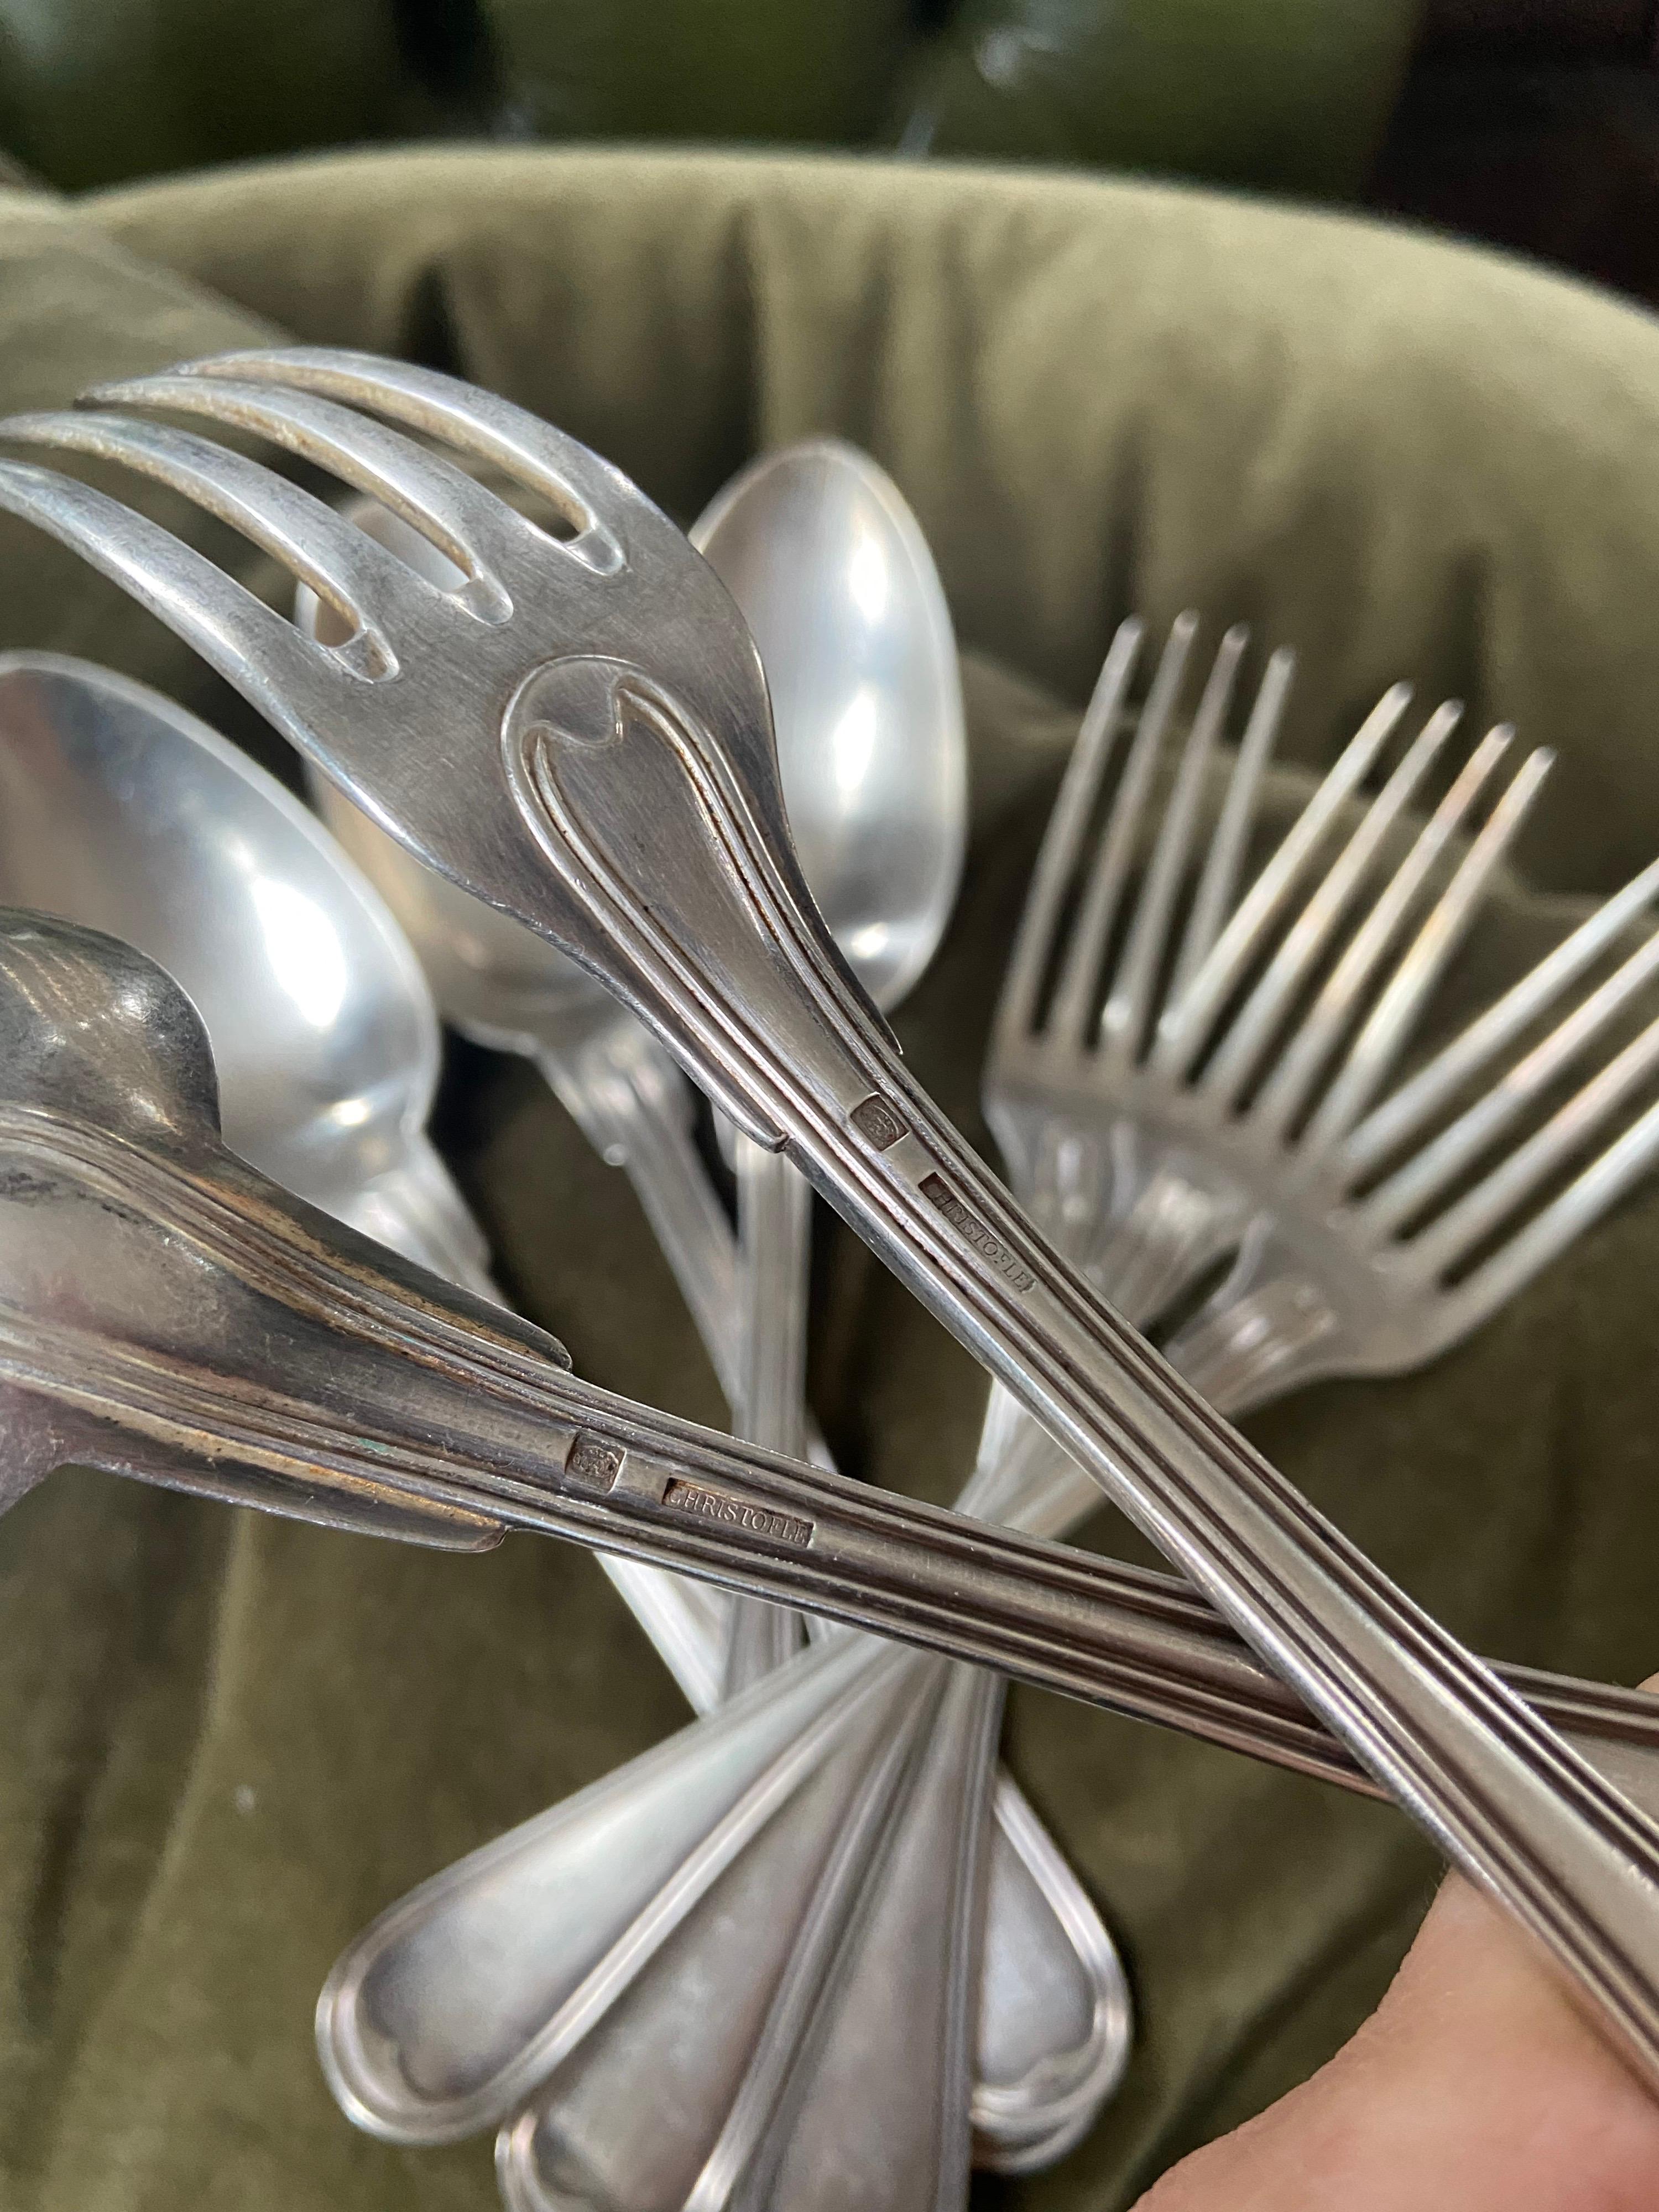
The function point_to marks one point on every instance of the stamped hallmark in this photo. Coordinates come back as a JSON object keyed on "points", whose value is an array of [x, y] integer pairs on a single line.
{"points": [[877, 1122], [714, 1505], [938, 1193], [590, 1459]]}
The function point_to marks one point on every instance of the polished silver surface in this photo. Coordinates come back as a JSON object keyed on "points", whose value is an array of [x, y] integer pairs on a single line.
{"points": [[830, 571], [581, 736], [120, 810], [1052, 2019]]}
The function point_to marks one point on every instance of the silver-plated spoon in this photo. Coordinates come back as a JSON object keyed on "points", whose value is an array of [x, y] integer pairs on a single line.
{"points": [[120, 810], [831, 572]]}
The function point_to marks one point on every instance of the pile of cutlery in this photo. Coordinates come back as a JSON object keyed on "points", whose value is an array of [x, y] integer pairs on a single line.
{"points": [[816, 1950]]}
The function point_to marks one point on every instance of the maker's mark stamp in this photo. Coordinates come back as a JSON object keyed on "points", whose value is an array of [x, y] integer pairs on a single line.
{"points": [[877, 1123], [972, 1231], [590, 1459], [759, 1520]]}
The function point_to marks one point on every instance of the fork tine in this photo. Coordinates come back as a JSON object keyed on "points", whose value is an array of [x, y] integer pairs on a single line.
{"points": [[1428, 1172], [427, 490], [1310, 1047], [1609, 1175], [574, 480], [1378, 1045], [250, 645], [1216, 886], [344, 566], [1129, 1004], [1079, 974], [1253, 1027], [1062, 840], [1185, 1023], [1444, 1242], [1407, 1111]]}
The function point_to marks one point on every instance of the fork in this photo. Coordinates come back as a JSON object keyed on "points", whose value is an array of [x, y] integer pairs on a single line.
{"points": [[579, 735], [1220, 1119], [1043, 1939], [1373, 963], [166, 1312], [897, 2142]]}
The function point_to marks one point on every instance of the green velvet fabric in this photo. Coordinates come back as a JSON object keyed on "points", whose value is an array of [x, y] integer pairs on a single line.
{"points": [[225, 1741]]}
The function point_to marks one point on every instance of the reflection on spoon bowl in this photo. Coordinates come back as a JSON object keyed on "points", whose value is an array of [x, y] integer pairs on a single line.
{"points": [[119, 811]]}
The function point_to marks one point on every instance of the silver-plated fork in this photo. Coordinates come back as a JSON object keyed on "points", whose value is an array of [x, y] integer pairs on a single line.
{"points": [[1069, 1151], [1052, 2018], [1351, 1237], [579, 735], [1208, 1097], [1196, 1128]]}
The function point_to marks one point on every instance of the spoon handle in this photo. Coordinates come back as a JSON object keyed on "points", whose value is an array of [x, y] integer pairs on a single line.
{"points": [[413, 1206], [630, 1101], [774, 1226]]}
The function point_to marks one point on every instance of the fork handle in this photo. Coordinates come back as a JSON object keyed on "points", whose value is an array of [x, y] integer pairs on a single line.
{"points": [[216, 1339], [1505, 1798], [624, 788]]}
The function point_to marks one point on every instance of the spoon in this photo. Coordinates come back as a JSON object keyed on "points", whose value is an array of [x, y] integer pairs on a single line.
{"points": [[826, 561], [119, 811], [510, 990]]}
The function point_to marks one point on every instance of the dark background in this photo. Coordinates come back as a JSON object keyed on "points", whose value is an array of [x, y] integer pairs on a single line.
{"points": [[1530, 124]]}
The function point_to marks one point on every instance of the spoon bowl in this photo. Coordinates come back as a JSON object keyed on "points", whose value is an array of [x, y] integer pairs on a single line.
{"points": [[866, 703], [119, 811]]}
